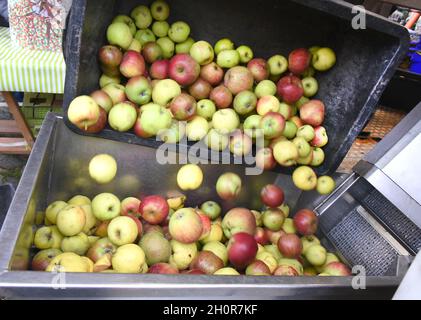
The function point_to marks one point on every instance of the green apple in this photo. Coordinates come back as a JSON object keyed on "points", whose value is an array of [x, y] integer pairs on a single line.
{"points": [[308, 241], [174, 133], [219, 249], [129, 258], [122, 117], [316, 255], [167, 47], [290, 130], [182, 254], [48, 237], [142, 17], [105, 80], [325, 185], [285, 209], [301, 101], [139, 90], [53, 209], [184, 47], [318, 157], [273, 219], [223, 44], [306, 132], [285, 153], [228, 58], [265, 88], [212, 209], [79, 200], [278, 64], [155, 118], [71, 220], [202, 52], [252, 126], [164, 91], [135, 46], [122, 230], [103, 168], [106, 206], [119, 34], [310, 72], [288, 226], [313, 49], [246, 54], [304, 178], [91, 221], [156, 247], [245, 102], [330, 257], [160, 28], [273, 249], [145, 36], [228, 271], [323, 59], [303, 146], [206, 108], [310, 86], [179, 31], [197, 128], [78, 244], [160, 10], [307, 159], [216, 140], [225, 121], [127, 20]]}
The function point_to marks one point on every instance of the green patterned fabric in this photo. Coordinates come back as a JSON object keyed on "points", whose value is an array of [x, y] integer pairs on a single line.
{"points": [[29, 70]]}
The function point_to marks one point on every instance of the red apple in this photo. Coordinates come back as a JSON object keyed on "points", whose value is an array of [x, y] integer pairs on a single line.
{"points": [[284, 270], [228, 186], [265, 159], [43, 258], [242, 250], [110, 56], [100, 124], [320, 137], [130, 207], [100, 248], [272, 195], [207, 262], [290, 246], [200, 89], [132, 64], [337, 269], [152, 52], [221, 96], [102, 99], [313, 112], [212, 73], [159, 69], [162, 268], [257, 268], [259, 68], [193, 271], [290, 89], [299, 60], [184, 69], [183, 107], [154, 209], [261, 236], [238, 79], [147, 227], [239, 220], [139, 131], [306, 222], [206, 223], [185, 226]]}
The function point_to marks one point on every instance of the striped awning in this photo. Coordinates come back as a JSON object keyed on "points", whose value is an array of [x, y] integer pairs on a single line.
{"points": [[29, 70]]}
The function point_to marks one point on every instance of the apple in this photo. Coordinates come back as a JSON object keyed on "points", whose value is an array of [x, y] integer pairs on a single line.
{"points": [[330, 257], [152, 228], [261, 236], [182, 254], [167, 47], [307, 132], [284, 270], [206, 109], [290, 88], [101, 230], [272, 124], [78, 244], [130, 207], [286, 110], [174, 133], [197, 128], [135, 46], [303, 147], [316, 255], [139, 130], [277, 65], [238, 79], [160, 10], [207, 262], [122, 117], [240, 144], [144, 36], [251, 126], [132, 65], [273, 219], [154, 209], [183, 107], [160, 28], [290, 246], [226, 272], [152, 52], [216, 140], [285, 209], [128, 258], [157, 249], [43, 258], [323, 59], [212, 209], [288, 227], [265, 159], [217, 248], [184, 47], [139, 90], [228, 58], [297, 121], [122, 230], [206, 224], [337, 269], [228, 186], [189, 177], [200, 89], [313, 112], [267, 104], [102, 99], [223, 44], [309, 241], [83, 112], [116, 92], [245, 53], [318, 157], [106, 206], [242, 250], [303, 100], [110, 56], [164, 91], [53, 209], [306, 160], [119, 34], [271, 249], [225, 121], [102, 168], [162, 268], [238, 220], [179, 31], [290, 132], [304, 178], [320, 137], [259, 68], [215, 234], [272, 195], [265, 88], [178, 222], [202, 52], [48, 237], [70, 220], [325, 185], [212, 73], [105, 80], [70, 262], [142, 16], [299, 60], [159, 69], [258, 217], [155, 118], [258, 268], [221, 96], [183, 69], [285, 153], [310, 86], [245, 102]]}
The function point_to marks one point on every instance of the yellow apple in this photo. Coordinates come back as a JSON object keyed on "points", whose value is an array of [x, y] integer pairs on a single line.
{"points": [[189, 177], [103, 168], [128, 258]]}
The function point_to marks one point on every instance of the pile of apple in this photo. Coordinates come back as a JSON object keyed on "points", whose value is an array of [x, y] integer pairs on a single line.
{"points": [[159, 235], [156, 78]]}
